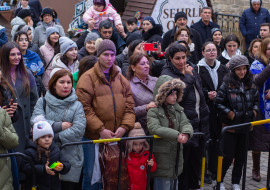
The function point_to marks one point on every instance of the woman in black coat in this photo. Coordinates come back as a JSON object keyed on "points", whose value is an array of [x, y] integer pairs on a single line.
{"points": [[195, 109], [237, 102], [211, 72], [152, 32]]}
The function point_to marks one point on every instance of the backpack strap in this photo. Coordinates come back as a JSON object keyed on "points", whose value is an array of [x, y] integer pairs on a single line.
{"points": [[44, 104]]}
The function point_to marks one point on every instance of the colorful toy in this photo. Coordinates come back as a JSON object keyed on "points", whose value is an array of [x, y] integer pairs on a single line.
{"points": [[56, 165]]}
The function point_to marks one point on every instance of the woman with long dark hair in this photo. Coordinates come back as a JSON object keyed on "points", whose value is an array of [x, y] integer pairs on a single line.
{"points": [[23, 83], [231, 48], [237, 102], [48, 51]]}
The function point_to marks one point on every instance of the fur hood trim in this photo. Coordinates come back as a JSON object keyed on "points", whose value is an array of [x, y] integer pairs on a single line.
{"points": [[166, 88]]}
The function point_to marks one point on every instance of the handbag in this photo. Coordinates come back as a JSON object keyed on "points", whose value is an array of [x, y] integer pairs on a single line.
{"points": [[109, 164]]}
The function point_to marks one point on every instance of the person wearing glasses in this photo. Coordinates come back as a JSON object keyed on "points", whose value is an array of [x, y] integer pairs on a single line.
{"points": [[211, 72]]}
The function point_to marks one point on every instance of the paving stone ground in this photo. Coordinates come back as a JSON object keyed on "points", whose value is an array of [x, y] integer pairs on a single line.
{"points": [[250, 184]]}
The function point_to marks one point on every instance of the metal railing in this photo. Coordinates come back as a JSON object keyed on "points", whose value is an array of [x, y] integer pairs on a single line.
{"points": [[28, 159], [220, 157], [229, 24], [151, 138]]}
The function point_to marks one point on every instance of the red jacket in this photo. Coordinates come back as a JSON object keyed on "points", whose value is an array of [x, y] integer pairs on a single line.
{"points": [[137, 170]]}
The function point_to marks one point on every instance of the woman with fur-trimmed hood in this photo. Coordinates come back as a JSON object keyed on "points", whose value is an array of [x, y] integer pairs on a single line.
{"points": [[168, 121]]}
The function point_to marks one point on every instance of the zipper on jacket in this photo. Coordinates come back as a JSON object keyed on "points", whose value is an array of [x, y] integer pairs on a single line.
{"points": [[113, 108]]}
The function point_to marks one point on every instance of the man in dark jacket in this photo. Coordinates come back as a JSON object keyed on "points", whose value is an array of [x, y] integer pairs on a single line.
{"points": [[181, 22], [251, 20], [204, 26]]}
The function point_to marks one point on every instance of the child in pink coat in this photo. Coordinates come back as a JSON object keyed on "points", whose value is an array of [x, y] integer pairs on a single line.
{"points": [[103, 10]]}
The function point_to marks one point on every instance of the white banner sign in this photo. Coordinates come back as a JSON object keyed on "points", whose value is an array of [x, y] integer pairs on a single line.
{"points": [[165, 10]]}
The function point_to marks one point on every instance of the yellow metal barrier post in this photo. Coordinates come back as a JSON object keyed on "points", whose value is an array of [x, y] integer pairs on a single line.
{"points": [[220, 158]]}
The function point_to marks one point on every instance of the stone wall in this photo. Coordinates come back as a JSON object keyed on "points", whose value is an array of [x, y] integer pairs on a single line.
{"points": [[235, 7]]}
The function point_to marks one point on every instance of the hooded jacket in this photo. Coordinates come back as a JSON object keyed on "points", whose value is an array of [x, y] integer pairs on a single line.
{"points": [[15, 23], [33, 62], [44, 180], [164, 149], [107, 13], [8, 140], [251, 21], [241, 101], [57, 64], [3, 36], [212, 79], [137, 169], [189, 100], [66, 110], [107, 104], [154, 34]]}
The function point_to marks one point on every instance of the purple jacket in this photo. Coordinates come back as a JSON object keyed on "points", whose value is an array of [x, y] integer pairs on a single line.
{"points": [[142, 95]]}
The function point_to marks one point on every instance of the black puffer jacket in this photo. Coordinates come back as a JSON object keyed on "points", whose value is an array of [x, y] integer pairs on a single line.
{"points": [[154, 34], [44, 180], [241, 101], [189, 100]]}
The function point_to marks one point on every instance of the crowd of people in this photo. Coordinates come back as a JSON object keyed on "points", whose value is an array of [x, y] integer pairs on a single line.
{"points": [[108, 84]]}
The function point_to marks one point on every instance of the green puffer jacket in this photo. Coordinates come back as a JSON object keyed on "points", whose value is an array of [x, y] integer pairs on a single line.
{"points": [[165, 148], [8, 140]]}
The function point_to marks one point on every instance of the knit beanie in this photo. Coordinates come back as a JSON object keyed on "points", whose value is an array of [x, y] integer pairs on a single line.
{"points": [[137, 131], [180, 15], [238, 61], [66, 44], [150, 19], [24, 13], [91, 36], [51, 30], [255, 1], [40, 129], [99, 2], [215, 30], [104, 46], [45, 11]]}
